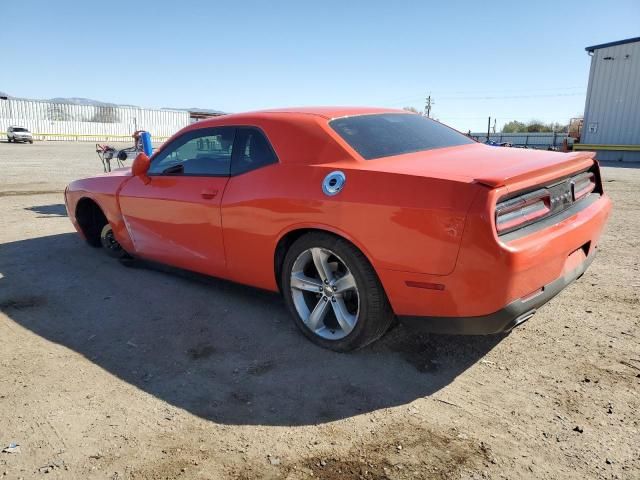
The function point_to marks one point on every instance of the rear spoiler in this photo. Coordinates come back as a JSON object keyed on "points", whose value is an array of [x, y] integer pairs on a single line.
{"points": [[568, 164]]}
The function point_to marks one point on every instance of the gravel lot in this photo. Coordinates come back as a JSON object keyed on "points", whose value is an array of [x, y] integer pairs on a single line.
{"points": [[147, 372]]}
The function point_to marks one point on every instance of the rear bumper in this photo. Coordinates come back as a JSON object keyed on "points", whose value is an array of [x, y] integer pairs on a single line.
{"points": [[504, 319], [492, 277]]}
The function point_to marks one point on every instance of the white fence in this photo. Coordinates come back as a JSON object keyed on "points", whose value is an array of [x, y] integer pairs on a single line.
{"points": [[61, 121]]}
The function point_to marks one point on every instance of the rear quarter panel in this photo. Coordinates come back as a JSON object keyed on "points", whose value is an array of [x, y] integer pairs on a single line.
{"points": [[400, 222]]}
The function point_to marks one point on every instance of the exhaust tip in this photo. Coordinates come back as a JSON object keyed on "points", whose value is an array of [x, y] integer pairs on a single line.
{"points": [[522, 318]]}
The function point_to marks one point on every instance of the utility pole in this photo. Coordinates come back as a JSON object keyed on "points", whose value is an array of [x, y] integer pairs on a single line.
{"points": [[489, 129], [495, 120], [427, 106]]}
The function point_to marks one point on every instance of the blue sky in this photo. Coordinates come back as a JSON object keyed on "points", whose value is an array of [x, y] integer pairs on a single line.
{"points": [[510, 60]]}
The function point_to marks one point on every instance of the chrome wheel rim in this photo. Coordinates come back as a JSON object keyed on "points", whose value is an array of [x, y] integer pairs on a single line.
{"points": [[325, 293]]}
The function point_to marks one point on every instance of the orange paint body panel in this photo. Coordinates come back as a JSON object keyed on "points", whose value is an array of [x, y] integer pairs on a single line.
{"points": [[426, 217], [176, 225]]}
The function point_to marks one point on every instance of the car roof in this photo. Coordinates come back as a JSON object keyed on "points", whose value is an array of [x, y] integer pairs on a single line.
{"points": [[301, 123], [332, 112], [328, 112]]}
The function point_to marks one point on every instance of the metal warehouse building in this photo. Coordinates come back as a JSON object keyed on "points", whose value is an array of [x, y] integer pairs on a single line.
{"points": [[612, 109]]}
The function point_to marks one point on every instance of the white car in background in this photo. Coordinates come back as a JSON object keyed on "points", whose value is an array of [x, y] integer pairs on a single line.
{"points": [[19, 134]]}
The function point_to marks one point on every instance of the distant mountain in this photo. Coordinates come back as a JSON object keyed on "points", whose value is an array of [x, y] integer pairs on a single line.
{"points": [[98, 103], [206, 110], [81, 101], [209, 111]]}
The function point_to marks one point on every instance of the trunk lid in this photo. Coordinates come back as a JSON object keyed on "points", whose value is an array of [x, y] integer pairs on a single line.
{"points": [[491, 166]]}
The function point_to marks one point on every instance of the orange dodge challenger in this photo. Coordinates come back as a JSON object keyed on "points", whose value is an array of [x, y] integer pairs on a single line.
{"points": [[357, 216]]}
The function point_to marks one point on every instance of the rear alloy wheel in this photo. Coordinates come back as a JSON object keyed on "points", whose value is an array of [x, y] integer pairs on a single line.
{"points": [[110, 244], [333, 293]]}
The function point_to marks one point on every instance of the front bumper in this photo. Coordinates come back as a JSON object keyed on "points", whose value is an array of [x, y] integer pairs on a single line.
{"points": [[504, 319], [23, 139]]}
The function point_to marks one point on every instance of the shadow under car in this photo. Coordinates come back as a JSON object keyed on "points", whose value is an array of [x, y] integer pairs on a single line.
{"points": [[222, 351]]}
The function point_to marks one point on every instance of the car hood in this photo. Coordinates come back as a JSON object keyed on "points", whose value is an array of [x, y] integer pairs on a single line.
{"points": [[492, 166], [101, 183], [118, 172]]}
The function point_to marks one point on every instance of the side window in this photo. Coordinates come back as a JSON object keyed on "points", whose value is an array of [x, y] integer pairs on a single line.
{"points": [[206, 151], [251, 150]]}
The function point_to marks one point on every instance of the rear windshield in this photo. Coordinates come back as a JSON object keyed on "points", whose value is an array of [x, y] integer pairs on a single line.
{"points": [[18, 129], [388, 134]]}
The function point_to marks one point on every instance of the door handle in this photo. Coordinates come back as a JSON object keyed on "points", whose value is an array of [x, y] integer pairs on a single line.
{"points": [[208, 193]]}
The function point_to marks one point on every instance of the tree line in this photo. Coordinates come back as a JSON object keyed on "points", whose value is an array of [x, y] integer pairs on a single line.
{"points": [[514, 126], [534, 126]]}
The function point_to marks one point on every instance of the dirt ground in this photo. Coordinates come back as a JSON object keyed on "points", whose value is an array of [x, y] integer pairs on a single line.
{"points": [[149, 373]]}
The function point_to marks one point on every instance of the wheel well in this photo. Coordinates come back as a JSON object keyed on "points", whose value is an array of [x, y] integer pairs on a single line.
{"points": [[285, 243], [91, 220]]}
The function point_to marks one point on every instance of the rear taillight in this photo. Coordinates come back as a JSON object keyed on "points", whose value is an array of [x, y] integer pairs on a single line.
{"points": [[582, 185], [525, 209], [517, 212]]}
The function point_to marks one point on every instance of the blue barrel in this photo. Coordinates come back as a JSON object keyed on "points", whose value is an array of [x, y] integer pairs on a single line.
{"points": [[147, 148]]}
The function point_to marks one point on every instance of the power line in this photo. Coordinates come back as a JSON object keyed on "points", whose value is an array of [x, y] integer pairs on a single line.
{"points": [[506, 118], [495, 97], [500, 97]]}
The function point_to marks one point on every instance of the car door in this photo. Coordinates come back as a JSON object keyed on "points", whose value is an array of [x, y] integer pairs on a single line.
{"points": [[173, 216], [254, 209]]}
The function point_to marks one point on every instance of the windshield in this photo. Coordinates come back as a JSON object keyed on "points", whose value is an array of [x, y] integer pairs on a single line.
{"points": [[20, 129], [388, 134]]}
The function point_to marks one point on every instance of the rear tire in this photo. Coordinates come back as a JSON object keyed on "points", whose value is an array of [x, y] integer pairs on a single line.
{"points": [[333, 293]]}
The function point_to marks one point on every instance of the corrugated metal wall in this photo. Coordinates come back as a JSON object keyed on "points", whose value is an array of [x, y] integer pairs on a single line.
{"points": [[59, 121], [612, 108]]}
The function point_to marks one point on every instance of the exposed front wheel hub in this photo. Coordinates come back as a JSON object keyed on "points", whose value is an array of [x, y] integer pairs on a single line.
{"points": [[109, 242]]}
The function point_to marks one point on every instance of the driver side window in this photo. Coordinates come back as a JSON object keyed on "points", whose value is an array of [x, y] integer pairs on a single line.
{"points": [[202, 152]]}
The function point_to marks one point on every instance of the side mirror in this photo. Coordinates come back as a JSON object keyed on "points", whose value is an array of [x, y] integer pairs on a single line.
{"points": [[140, 166]]}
